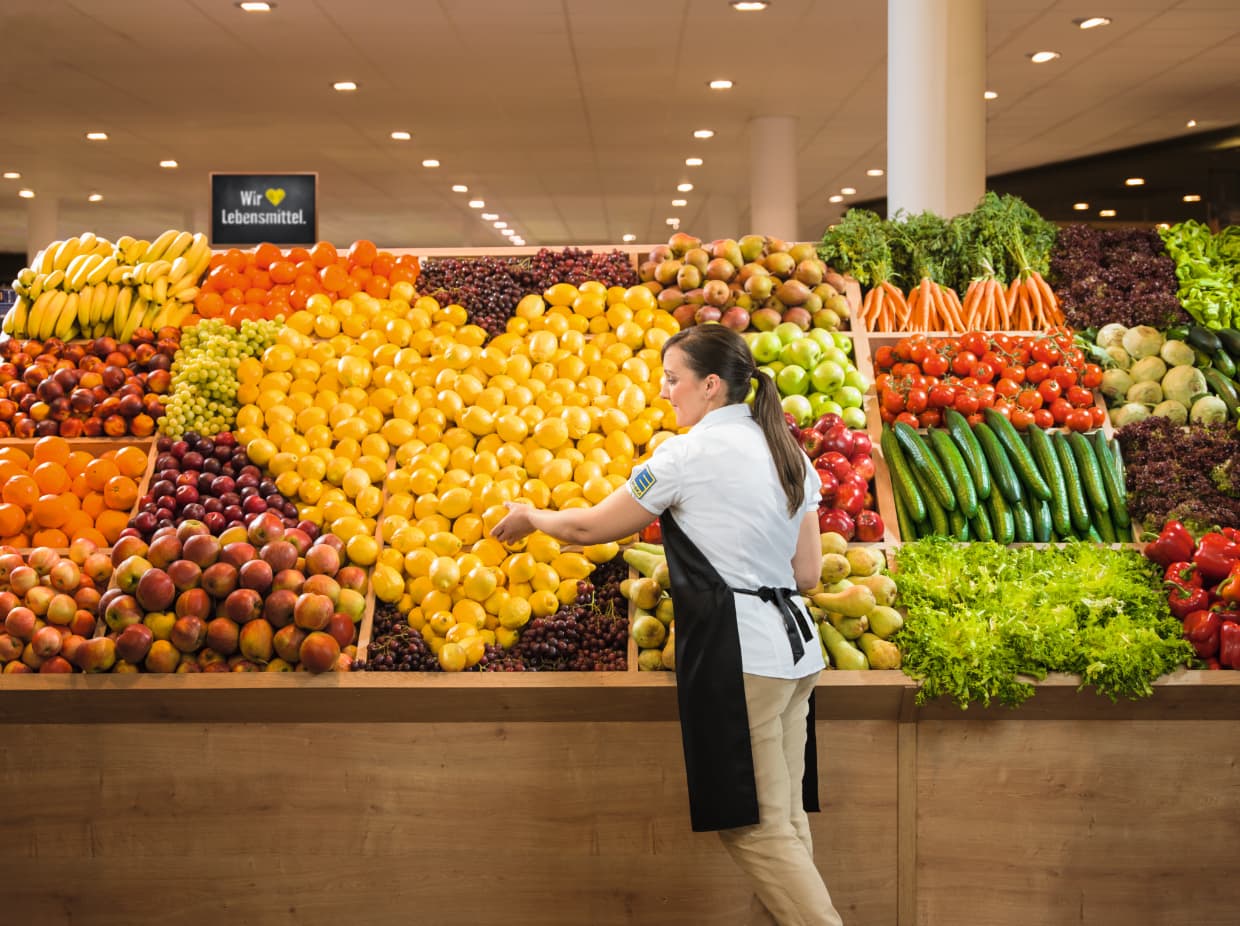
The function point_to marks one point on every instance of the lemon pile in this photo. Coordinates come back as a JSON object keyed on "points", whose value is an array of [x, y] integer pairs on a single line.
{"points": [[398, 427]]}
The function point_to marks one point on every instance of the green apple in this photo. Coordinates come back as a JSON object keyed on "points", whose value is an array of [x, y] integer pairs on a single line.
{"points": [[803, 352], [824, 404], [853, 418], [799, 408], [822, 336], [788, 332], [792, 380], [765, 346], [853, 378], [849, 397], [768, 371], [836, 355], [827, 376], [842, 341]]}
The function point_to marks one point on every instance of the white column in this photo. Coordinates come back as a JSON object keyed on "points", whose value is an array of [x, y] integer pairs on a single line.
{"points": [[42, 217], [936, 116], [723, 216], [773, 177]]}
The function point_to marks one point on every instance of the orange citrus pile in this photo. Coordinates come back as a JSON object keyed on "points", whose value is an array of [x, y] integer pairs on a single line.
{"points": [[54, 495], [267, 281]]}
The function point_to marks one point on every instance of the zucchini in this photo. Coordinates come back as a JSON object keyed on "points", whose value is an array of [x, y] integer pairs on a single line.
{"points": [[1043, 524], [1230, 339], [1102, 524], [1002, 524], [935, 513], [1113, 480], [957, 473], [1001, 471], [1221, 361], [959, 525], [925, 464], [1018, 453], [1223, 387], [958, 426], [1203, 339], [1078, 510], [908, 528], [1023, 520], [980, 524], [901, 477], [1091, 473], [1048, 464]]}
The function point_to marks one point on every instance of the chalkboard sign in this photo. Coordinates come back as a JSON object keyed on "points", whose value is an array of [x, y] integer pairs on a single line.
{"points": [[249, 209]]}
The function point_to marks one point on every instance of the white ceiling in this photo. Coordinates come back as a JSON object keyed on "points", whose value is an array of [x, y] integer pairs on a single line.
{"points": [[571, 118]]}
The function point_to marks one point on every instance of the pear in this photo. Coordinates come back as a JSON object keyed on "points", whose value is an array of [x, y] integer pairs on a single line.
{"points": [[665, 611], [681, 243], [780, 263], [803, 252], [660, 253], [792, 293], [670, 299], [650, 660], [760, 286], [810, 272], [752, 247], [645, 272], [720, 269], [729, 250], [648, 631], [688, 277], [669, 651], [667, 271], [716, 293], [697, 257]]}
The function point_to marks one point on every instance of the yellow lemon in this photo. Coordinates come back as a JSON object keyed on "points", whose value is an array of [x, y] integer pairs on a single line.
{"points": [[452, 658], [387, 583], [444, 573], [543, 603], [514, 613], [362, 550]]}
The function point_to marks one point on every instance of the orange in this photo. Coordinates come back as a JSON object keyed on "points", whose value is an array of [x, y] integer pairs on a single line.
{"points": [[265, 255], [77, 522], [20, 490], [50, 538], [51, 510], [79, 486], [131, 461], [98, 472], [362, 253], [16, 540], [52, 479], [92, 503], [323, 254], [51, 449], [110, 524], [120, 493], [12, 519], [78, 461], [15, 455], [93, 534], [9, 469]]}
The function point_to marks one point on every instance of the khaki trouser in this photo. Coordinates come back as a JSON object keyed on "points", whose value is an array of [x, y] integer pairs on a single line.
{"points": [[777, 852]]}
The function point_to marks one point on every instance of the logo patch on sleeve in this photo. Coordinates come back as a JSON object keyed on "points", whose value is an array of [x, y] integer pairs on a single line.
{"points": [[642, 480]]}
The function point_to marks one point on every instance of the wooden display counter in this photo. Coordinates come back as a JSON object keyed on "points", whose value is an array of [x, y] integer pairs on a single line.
{"points": [[560, 799]]}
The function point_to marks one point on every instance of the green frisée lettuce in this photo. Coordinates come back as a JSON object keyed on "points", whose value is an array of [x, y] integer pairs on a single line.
{"points": [[984, 619]]}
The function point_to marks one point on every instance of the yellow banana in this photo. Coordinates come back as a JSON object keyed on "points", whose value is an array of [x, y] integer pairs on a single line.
{"points": [[86, 242], [79, 269], [123, 244], [180, 267], [160, 290], [37, 309], [26, 276], [65, 253], [105, 248], [66, 322], [115, 313], [103, 310], [20, 288], [146, 290], [149, 316], [15, 318], [160, 244], [6, 326], [136, 314], [118, 273], [47, 321], [54, 280], [35, 289], [86, 299], [187, 295], [42, 262], [99, 273], [136, 251], [153, 270], [178, 246], [199, 253]]}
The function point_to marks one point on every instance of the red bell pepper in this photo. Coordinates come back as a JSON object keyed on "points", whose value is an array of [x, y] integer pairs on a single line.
{"points": [[1216, 556], [1184, 600], [1174, 544], [1201, 628], [1231, 534], [1229, 645], [652, 532], [1213, 663], [1228, 590], [1183, 573], [1226, 612]]}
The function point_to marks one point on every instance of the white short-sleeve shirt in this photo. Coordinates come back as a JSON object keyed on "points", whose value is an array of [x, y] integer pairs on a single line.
{"points": [[719, 482]]}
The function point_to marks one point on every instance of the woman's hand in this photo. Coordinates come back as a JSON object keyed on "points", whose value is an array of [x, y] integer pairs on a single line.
{"points": [[515, 525]]}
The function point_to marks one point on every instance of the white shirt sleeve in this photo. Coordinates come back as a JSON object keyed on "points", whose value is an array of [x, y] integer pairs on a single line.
{"points": [[655, 484], [813, 488]]}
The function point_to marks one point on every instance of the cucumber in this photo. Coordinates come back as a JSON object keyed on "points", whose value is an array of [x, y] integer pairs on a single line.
{"points": [[1001, 471], [935, 513], [1048, 463], [1203, 339], [1102, 524], [908, 528], [1091, 473], [1024, 520], [1018, 453], [1223, 387], [1092, 535], [1002, 523], [959, 525], [1230, 339], [1043, 524], [953, 465], [1222, 362], [980, 524], [901, 477], [925, 464], [1113, 480], [958, 426], [1078, 510]]}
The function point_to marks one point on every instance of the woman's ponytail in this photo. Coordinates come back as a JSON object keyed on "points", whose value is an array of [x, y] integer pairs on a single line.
{"points": [[788, 456]]}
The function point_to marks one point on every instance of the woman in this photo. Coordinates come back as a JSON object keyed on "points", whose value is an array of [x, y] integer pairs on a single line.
{"points": [[737, 503]]}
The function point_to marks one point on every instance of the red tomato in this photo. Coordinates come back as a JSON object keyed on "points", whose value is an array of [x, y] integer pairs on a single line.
{"points": [[993, 358], [983, 372], [1037, 372], [1079, 396], [892, 401], [1003, 341], [1065, 377], [975, 419], [1079, 419], [1074, 357], [1060, 409], [1045, 351], [1092, 377], [975, 342], [1021, 418], [910, 420], [1030, 399], [1050, 389], [935, 365], [1003, 409], [966, 403], [941, 395], [885, 416], [904, 349], [963, 363], [884, 358], [881, 381], [1098, 414], [1013, 372], [1043, 418], [931, 418], [916, 401], [1006, 388]]}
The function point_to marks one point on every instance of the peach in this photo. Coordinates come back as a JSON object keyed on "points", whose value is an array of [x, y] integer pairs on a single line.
{"points": [[162, 657], [318, 652]]}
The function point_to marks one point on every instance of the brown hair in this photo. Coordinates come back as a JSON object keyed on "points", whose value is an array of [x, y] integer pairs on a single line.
{"points": [[715, 349]]}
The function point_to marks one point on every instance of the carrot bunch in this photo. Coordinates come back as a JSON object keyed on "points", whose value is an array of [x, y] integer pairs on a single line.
{"points": [[884, 308], [1027, 304]]}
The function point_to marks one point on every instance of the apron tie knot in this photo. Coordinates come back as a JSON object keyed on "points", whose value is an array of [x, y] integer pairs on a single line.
{"points": [[795, 624]]}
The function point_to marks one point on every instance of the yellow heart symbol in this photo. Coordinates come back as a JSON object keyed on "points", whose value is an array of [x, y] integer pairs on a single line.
{"points": [[275, 196]]}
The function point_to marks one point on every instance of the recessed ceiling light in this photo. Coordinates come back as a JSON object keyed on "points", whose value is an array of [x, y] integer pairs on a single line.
{"points": [[519, 242], [344, 86], [477, 204], [704, 133], [508, 232], [848, 191], [430, 162], [1080, 207], [722, 84], [837, 198], [628, 238], [1092, 22], [488, 216], [256, 6], [990, 95], [401, 136], [96, 136], [1135, 181], [1192, 197], [11, 175], [684, 187], [750, 6], [1107, 213], [1191, 123], [95, 198], [26, 194], [460, 188], [500, 224], [874, 172], [1041, 57], [680, 202], [168, 162], [672, 220], [693, 162]]}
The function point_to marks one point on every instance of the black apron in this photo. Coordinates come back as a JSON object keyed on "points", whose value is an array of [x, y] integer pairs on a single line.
{"points": [[710, 691]]}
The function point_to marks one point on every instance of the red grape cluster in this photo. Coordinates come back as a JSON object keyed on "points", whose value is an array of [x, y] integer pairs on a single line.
{"points": [[575, 266], [395, 646], [485, 286]]}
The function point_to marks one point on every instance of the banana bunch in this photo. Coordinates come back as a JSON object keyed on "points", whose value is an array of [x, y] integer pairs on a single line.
{"points": [[91, 287]]}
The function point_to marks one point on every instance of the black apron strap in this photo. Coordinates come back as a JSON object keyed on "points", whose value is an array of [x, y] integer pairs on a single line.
{"points": [[795, 624]]}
